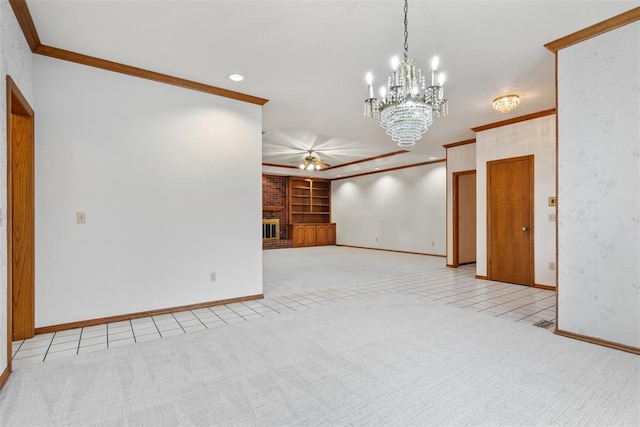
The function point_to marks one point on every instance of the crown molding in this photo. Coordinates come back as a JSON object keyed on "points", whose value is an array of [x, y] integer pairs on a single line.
{"points": [[21, 11], [391, 169], [515, 120], [594, 30], [458, 144], [381, 156]]}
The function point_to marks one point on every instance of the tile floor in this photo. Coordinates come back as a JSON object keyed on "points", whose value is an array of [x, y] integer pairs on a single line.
{"points": [[454, 287]]}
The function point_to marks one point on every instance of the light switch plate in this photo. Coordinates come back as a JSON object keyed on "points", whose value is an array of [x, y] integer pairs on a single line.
{"points": [[81, 217]]}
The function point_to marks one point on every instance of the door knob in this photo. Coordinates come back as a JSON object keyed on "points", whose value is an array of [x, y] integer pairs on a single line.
{"points": [[525, 228]]}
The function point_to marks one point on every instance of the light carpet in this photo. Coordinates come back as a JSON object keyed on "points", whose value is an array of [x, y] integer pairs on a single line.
{"points": [[377, 360], [303, 269]]}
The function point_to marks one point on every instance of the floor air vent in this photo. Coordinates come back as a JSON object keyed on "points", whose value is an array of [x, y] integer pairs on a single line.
{"points": [[544, 324]]}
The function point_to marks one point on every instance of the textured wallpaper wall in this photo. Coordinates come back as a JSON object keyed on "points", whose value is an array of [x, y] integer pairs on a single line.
{"points": [[599, 187], [15, 61]]}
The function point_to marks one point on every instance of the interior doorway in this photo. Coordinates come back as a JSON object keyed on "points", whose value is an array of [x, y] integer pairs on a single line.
{"points": [[20, 216], [464, 218], [510, 220]]}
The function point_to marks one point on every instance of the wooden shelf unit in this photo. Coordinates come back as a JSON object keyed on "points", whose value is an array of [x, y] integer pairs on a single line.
{"points": [[309, 201], [310, 212]]}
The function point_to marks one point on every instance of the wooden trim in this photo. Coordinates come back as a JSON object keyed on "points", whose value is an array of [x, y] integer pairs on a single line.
{"points": [[482, 277], [273, 165], [594, 30], [598, 341], [531, 158], [451, 266], [21, 11], [4, 376], [17, 104], [556, 206], [460, 143], [116, 67], [392, 250], [547, 287], [390, 169], [514, 120], [369, 159], [121, 317], [10, 85]]}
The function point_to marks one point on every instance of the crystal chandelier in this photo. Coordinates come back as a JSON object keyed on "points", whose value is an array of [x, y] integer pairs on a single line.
{"points": [[506, 103], [407, 105]]}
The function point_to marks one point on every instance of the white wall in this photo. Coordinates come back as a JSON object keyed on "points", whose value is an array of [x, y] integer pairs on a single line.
{"points": [[16, 61], [170, 181], [401, 210], [599, 187], [459, 159], [537, 137]]}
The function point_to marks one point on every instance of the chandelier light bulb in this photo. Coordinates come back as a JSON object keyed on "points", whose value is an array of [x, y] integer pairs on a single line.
{"points": [[383, 92], [395, 62], [434, 63], [369, 78], [441, 79]]}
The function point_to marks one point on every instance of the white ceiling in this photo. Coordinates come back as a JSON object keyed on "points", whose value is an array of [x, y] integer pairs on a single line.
{"points": [[309, 59]]}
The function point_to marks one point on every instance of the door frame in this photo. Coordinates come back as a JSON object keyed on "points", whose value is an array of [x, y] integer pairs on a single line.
{"points": [[531, 159], [455, 230], [16, 104]]}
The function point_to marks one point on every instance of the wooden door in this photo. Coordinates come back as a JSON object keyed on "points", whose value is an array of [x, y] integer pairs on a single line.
{"points": [[464, 217], [510, 220], [322, 235], [20, 214], [310, 235]]}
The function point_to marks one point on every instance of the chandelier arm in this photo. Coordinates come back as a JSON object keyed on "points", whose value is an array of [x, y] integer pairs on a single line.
{"points": [[406, 31]]}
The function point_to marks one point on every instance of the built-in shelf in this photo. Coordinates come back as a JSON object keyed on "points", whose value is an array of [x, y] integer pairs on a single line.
{"points": [[309, 202]]}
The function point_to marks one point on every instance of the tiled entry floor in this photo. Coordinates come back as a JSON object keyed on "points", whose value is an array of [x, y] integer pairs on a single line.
{"points": [[454, 287]]}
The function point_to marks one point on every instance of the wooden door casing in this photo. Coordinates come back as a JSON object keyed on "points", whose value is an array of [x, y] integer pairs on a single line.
{"points": [[20, 216], [510, 220]]}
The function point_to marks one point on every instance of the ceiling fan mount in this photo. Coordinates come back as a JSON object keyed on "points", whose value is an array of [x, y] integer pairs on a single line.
{"points": [[312, 162]]}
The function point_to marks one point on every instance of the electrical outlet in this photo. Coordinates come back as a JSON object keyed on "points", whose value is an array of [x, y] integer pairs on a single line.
{"points": [[552, 217], [81, 217], [212, 276], [552, 266]]}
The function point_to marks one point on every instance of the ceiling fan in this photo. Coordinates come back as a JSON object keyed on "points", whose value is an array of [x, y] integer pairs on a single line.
{"points": [[312, 162]]}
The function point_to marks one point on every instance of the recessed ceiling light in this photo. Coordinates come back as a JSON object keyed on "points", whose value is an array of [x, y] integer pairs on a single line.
{"points": [[236, 77], [432, 158], [376, 169], [338, 176]]}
